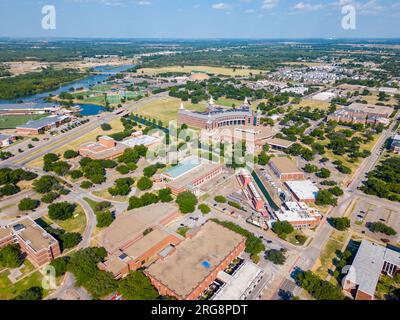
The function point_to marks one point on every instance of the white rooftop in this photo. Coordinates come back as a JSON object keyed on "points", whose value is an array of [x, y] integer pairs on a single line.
{"points": [[303, 189], [236, 286], [141, 140]]}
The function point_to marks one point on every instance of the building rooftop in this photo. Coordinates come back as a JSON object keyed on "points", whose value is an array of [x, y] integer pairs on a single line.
{"points": [[26, 106], [285, 165], [280, 142], [237, 285], [195, 259], [297, 211], [186, 179], [182, 168], [41, 123], [129, 226], [5, 136], [5, 233], [370, 108], [368, 263], [142, 140], [33, 234], [303, 189]]}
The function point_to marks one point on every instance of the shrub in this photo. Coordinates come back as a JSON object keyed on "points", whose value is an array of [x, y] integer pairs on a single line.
{"points": [[205, 209], [27, 204], [220, 199]]}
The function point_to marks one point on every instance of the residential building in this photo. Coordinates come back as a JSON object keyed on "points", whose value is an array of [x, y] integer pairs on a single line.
{"points": [[371, 261], [303, 190], [39, 246], [138, 237], [195, 264], [286, 169]]}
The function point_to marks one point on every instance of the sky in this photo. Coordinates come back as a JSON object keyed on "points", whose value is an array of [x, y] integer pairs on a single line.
{"points": [[201, 18]]}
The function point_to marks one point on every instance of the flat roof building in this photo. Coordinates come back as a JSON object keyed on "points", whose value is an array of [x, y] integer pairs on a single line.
{"points": [[370, 262], [239, 285], [6, 140], [190, 174], [196, 262], [41, 125], [286, 169], [137, 237], [299, 215], [279, 144], [39, 246], [303, 190], [105, 149]]}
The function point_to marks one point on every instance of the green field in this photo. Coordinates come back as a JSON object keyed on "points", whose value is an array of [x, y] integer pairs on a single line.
{"points": [[167, 109], [10, 122], [9, 290]]}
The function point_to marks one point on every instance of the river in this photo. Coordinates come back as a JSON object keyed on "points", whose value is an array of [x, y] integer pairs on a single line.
{"points": [[87, 109]]}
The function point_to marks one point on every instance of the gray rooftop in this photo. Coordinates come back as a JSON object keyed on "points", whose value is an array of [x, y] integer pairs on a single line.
{"points": [[368, 263], [23, 106], [44, 122]]}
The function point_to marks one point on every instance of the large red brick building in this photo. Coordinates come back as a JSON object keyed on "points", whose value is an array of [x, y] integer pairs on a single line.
{"points": [[138, 237], [39, 246], [194, 265], [218, 116]]}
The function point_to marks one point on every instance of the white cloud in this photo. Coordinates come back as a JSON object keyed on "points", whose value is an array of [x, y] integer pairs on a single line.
{"points": [[222, 6], [301, 6], [249, 11], [144, 3], [269, 4]]}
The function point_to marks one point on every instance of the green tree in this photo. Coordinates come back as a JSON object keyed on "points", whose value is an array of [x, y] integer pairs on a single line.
{"points": [[45, 184], [186, 201], [27, 204], [276, 256], [144, 183], [10, 256], [165, 195], [282, 228], [104, 219], [70, 240], [205, 209], [9, 190], [136, 286], [341, 224], [70, 154], [220, 199], [61, 210], [324, 197], [60, 265], [33, 293]]}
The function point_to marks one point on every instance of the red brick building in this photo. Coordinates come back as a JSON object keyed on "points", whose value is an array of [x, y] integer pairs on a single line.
{"points": [[105, 149], [194, 265], [286, 169], [39, 246], [218, 117]]}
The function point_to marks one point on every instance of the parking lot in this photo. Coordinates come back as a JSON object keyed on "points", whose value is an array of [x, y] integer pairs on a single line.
{"points": [[367, 211]]}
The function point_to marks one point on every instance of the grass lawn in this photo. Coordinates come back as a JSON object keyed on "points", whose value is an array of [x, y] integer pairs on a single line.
{"points": [[314, 104], [107, 196], [229, 102], [9, 290], [374, 99], [167, 109], [335, 243], [75, 224], [10, 122], [211, 70], [292, 237]]}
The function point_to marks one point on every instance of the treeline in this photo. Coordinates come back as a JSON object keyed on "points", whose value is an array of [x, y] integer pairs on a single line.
{"points": [[36, 82]]}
